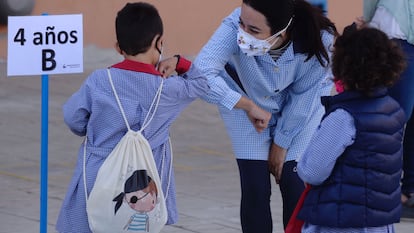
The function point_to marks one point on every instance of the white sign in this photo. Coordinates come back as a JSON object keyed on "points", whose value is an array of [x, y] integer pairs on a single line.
{"points": [[47, 44]]}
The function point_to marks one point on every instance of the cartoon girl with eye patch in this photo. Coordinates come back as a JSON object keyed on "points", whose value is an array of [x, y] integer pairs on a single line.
{"points": [[140, 192]]}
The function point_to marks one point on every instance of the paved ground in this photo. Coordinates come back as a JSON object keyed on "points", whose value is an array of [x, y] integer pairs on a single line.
{"points": [[206, 173]]}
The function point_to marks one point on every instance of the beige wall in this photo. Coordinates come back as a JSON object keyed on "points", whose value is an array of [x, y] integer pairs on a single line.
{"points": [[344, 12], [188, 23]]}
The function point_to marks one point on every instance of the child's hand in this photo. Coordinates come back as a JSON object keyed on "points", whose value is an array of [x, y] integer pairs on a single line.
{"points": [[167, 66]]}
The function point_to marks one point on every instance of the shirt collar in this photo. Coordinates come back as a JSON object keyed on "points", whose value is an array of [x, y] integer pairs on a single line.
{"points": [[137, 66], [351, 95]]}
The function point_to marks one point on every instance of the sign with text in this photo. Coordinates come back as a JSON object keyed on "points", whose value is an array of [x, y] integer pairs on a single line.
{"points": [[42, 45]]}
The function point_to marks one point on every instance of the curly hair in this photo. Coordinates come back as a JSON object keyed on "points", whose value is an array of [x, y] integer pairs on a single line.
{"points": [[366, 59]]}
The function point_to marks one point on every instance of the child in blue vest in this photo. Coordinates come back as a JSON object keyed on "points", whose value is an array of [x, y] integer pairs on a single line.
{"points": [[354, 160], [93, 111]]}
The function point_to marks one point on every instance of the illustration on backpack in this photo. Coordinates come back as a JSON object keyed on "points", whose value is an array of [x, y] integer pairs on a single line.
{"points": [[141, 195]]}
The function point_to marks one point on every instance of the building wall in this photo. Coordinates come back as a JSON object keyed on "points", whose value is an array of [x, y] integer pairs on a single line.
{"points": [[188, 23]]}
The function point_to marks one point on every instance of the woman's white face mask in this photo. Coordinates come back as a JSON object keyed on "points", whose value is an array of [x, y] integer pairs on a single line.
{"points": [[252, 46]]}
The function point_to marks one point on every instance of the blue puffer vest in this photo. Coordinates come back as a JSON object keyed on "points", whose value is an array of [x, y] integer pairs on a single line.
{"points": [[363, 189]]}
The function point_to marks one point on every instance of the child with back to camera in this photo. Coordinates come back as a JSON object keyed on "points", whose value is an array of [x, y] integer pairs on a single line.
{"points": [[92, 111], [354, 160]]}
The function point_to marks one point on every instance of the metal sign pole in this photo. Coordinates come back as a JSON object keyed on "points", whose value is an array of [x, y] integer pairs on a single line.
{"points": [[44, 163], [44, 154]]}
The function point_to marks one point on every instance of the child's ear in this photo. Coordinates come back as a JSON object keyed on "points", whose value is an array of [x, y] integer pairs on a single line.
{"points": [[117, 48], [157, 42], [160, 42]]}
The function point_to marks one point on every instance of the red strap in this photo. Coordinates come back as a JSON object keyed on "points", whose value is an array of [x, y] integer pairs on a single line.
{"points": [[294, 224]]}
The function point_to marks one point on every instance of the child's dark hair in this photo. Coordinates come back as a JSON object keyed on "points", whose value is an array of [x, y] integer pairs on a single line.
{"points": [[137, 24], [305, 29], [366, 59]]}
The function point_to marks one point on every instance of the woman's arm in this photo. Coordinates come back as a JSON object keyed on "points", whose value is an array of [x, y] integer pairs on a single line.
{"points": [[303, 96], [211, 61], [259, 117], [212, 58]]}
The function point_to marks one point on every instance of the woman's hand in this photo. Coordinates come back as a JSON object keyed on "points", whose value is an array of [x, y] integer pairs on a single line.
{"points": [[277, 157], [167, 66], [259, 117]]}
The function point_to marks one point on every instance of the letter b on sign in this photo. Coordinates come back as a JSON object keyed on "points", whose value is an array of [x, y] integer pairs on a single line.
{"points": [[48, 60]]}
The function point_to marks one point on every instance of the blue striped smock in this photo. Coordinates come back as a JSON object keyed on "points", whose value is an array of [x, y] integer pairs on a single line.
{"points": [[289, 88], [94, 112]]}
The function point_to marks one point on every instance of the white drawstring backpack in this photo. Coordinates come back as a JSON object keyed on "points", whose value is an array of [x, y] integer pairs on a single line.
{"points": [[127, 194]]}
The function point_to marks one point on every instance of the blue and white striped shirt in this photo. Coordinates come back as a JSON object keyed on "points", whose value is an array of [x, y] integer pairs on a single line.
{"points": [[138, 222], [289, 88]]}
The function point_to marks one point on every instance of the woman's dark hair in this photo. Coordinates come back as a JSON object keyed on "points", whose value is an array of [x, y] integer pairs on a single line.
{"points": [[305, 30], [366, 59], [137, 24], [277, 12]]}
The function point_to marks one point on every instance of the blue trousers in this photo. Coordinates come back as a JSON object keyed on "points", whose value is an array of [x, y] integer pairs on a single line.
{"points": [[255, 213], [403, 92]]}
